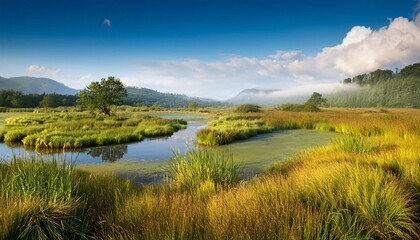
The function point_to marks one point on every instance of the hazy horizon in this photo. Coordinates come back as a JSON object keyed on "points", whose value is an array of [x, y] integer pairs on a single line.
{"points": [[211, 49]]}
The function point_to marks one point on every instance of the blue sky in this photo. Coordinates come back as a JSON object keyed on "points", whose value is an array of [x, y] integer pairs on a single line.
{"points": [[204, 48]]}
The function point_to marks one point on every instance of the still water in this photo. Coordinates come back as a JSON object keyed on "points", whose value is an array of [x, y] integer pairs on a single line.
{"points": [[150, 156], [150, 149]]}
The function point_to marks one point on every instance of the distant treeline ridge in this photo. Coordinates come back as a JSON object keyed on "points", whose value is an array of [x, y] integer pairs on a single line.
{"points": [[382, 88]]}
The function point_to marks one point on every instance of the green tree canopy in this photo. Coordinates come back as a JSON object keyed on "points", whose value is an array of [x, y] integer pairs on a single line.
{"points": [[411, 70], [316, 100], [48, 100], [103, 95]]}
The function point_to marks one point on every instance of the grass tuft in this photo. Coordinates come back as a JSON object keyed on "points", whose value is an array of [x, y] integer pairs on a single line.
{"points": [[204, 170]]}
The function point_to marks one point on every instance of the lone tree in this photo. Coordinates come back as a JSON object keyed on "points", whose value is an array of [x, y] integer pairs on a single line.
{"points": [[316, 100], [102, 95]]}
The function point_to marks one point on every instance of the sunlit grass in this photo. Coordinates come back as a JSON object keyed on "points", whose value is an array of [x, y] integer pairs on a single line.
{"points": [[40, 200], [226, 130], [204, 171], [79, 130], [363, 185]]}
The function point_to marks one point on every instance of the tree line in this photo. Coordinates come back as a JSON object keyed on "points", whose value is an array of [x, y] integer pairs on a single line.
{"points": [[18, 99], [382, 88]]}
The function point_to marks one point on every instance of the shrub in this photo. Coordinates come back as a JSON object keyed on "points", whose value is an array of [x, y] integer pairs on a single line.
{"points": [[246, 108], [308, 107], [299, 107]]}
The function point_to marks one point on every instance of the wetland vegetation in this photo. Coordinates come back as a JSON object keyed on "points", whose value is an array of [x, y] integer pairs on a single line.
{"points": [[363, 185], [79, 130]]}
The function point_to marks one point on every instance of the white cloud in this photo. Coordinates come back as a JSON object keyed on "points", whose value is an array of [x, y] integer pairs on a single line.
{"points": [[85, 77], [356, 35], [286, 55], [362, 50], [107, 22], [417, 18], [42, 70]]}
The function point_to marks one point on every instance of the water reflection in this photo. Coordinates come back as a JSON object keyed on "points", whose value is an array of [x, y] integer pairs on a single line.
{"points": [[150, 149], [108, 153]]}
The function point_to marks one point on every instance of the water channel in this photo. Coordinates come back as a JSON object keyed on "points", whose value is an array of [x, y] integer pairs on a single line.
{"points": [[147, 161]]}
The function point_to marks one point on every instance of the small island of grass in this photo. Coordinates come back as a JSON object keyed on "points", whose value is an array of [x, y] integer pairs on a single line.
{"points": [[78, 130]]}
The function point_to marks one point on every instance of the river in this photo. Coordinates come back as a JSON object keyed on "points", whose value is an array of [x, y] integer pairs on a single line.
{"points": [[147, 161]]}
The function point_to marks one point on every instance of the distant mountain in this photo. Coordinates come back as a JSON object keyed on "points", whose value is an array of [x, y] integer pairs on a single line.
{"points": [[149, 97], [35, 85]]}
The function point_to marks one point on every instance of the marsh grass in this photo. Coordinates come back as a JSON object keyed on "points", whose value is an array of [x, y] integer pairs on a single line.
{"points": [[38, 219], [79, 130], [39, 200], [363, 187], [204, 170], [226, 130], [354, 144]]}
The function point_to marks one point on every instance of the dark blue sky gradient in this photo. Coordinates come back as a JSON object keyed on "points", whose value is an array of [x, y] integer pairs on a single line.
{"points": [[197, 28], [68, 40]]}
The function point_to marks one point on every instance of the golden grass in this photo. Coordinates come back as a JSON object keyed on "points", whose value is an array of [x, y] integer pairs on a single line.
{"points": [[365, 185]]}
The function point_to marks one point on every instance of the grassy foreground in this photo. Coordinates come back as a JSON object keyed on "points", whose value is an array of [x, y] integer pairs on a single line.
{"points": [[364, 185]]}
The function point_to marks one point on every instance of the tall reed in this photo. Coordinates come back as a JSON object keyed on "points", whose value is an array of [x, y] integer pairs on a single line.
{"points": [[204, 170], [39, 200]]}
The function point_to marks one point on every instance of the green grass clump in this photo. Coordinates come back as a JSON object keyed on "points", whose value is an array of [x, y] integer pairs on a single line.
{"points": [[209, 137], [35, 178], [226, 130], [14, 136], [155, 127], [48, 199], [39, 201], [24, 121], [78, 130], [354, 144], [204, 169], [39, 219]]}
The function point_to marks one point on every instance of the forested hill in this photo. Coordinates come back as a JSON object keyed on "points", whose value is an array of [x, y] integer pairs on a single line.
{"points": [[145, 96], [382, 88], [136, 96], [28, 92], [35, 85]]}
